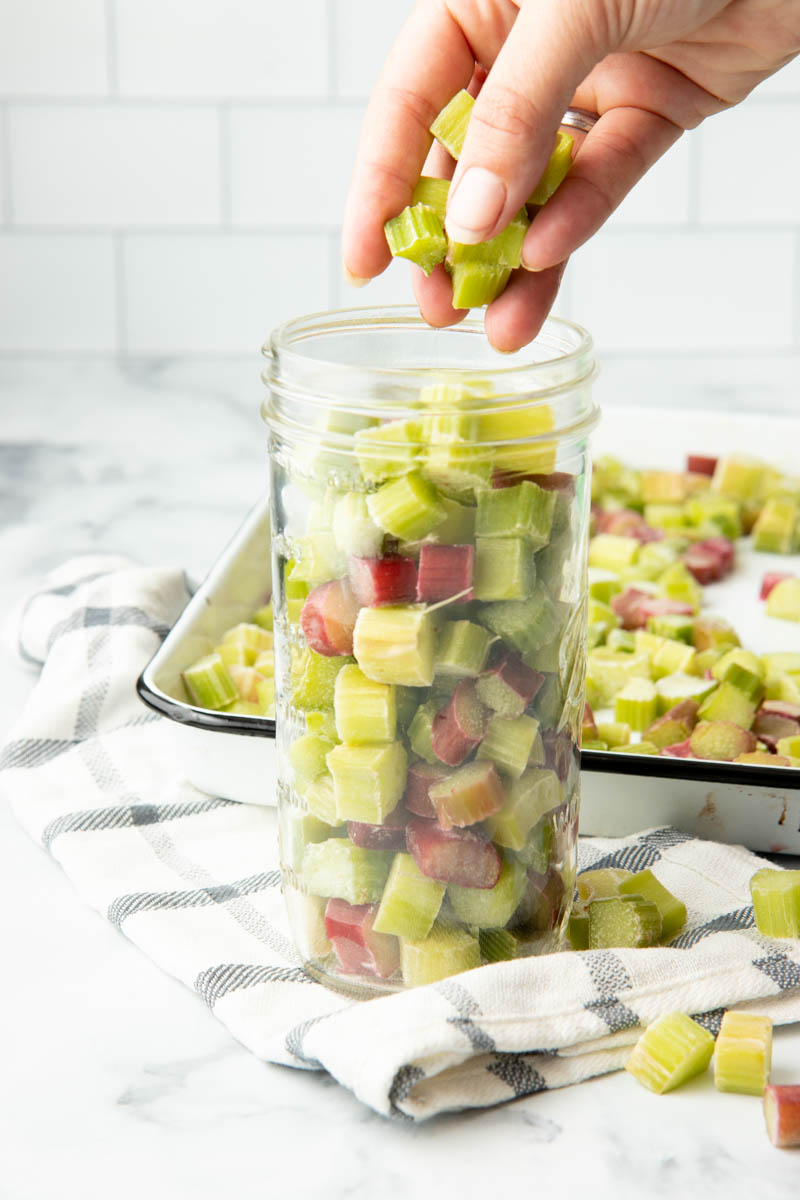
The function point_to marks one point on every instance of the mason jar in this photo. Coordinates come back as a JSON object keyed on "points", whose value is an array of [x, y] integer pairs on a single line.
{"points": [[429, 506]]}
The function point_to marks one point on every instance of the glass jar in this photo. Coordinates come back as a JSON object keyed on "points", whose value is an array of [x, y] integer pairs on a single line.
{"points": [[430, 503]]}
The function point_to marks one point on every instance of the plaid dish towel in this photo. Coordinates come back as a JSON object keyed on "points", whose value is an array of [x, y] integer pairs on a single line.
{"points": [[193, 880]]}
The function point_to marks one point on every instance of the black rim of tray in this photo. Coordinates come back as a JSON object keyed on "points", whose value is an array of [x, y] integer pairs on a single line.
{"points": [[203, 718]]}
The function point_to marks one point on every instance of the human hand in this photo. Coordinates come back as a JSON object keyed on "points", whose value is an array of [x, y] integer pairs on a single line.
{"points": [[651, 69]]}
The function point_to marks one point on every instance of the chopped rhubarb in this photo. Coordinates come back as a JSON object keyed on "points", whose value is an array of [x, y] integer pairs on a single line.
{"points": [[782, 1114], [469, 795], [627, 523], [460, 725], [391, 579], [391, 835], [461, 856], [560, 752], [509, 686], [701, 464], [774, 720], [445, 572], [703, 564], [419, 781], [328, 618], [627, 605], [772, 579], [359, 950], [546, 899]]}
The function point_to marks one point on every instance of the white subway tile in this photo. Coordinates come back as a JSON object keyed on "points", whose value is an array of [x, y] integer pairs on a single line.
{"points": [[53, 48], [661, 197], [218, 293], [83, 165], [57, 293], [785, 82], [749, 168], [291, 166], [208, 48], [392, 287], [365, 32], [704, 291]]}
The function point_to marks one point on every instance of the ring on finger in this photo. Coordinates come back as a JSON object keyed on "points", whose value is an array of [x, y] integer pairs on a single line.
{"points": [[580, 118]]}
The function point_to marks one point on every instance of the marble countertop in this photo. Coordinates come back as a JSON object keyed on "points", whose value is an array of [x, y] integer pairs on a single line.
{"points": [[133, 1088]]}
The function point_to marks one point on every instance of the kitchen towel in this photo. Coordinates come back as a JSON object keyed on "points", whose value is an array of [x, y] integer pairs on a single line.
{"points": [[194, 881]]}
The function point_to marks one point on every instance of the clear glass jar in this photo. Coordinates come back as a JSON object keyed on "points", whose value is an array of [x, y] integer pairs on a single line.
{"points": [[430, 503]]}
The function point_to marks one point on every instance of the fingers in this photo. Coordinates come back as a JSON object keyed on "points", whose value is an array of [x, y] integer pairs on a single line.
{"points": [[515, 318], [620, 149], [434, 295]]}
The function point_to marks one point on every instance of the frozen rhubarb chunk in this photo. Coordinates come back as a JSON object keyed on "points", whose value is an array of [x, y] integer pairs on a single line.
{"points": [[523, 510], [395, 644], [444, 952], [509, 686], [623, 921], [776, 719], [504, 569], [417, 233], [544, 900], [637, 704], [498, 945], [391, 835], [391, 579], [525, 625], [460, 725], [490, 908], [776, 902], [462, 649], [770, 580], [410, 901], [508, 742], [307, 756], [419, 781], [354, 530], [408, 507], [209, 683], [529, 798], [516, 433], [366, 711], [743, 1053], [336, 867], [782, 1114], [468, 795], [613, 551], [462, 856], [420, 731], [671, 909], [450, 126], [296, 831], [675, 725], [556, 171], [600, 883], [774, 530], [701, 464], [784, 600], [433, 192], [721, 740], [445, 573], [368, 781], [315, 680], [386, 451], [328, 618], [671, 1050], [358, 948], [320, 800], [537, 852]]}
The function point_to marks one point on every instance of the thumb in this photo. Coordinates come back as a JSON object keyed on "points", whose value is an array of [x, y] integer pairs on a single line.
{"points": [[551, 48]]}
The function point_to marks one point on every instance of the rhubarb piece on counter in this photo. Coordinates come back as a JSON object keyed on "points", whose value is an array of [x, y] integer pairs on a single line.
{"points": [[743, 1053], [614, 733], [770, 580], [468, 795], [674, 726], [336, 867], [677, 688], [394, 644], [391, 579], [509, 686], [462, 649], [784, 600], [490, 908], [419, 781], [508, 742], [637, 704], [368, 781], [776, 719], [599, 883], [776, 525], [678, 750], [711, 633], [365, 711], [391, 835], [460, 725], [358, 948], [313, 687], [721, 740], [461, 856], [408, 507], [410, 901], [328, 618], [621, 920], [764, 758], [671, 909], [671, 1051], [701, 464], [445, 573], [445, 951], [776, 902], [789, 747], [728, 703], [782, 1114]]}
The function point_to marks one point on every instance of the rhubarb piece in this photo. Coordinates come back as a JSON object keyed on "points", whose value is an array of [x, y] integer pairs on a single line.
{"points": [[774, 720], [417, 234], [516, 433], [358, 948], [636, 704], [461, 856], [504, 250], [462, 649], [614, 733], [265, 692], [776, 902], [770, 580], [365, 711], [307, 923], [672, 658], [490, 908], [643, 747], [674, 726], [458, 528], [711, 633], [386, 451], [368, 781], [498, 945], [537, 853], [354, 530], [407, 507], [789, 746], [784, 600], [612, 551], [504, 569], [555, 172], [476, 284], [432, 192], [445, 573], [307, 756], [677, 626], [678, 585], [628, 921], [701, 464], [721, 740], [394, 644], [314, 685], [508, 742], [782, 1114], [743, 1053], [209, 683], [671, 909], [739, 476], [671, 1051], [454, 458], [296, 831], [263, 616], [336, 867], [774, 530], [728, 703], [545, 900], [250, 635], [524, 510], [679, 688], [509, 686], [677, 750], [410, 902], [419, 781], [319, 798], [764, 758], [608, 671], [525, 625], [460, 725], [469, 795], [420, 731], [391, 835], [450, 126], [578, 929], [391, 579], [442, 953], [600, 883], [328, 618], [530, 798]]}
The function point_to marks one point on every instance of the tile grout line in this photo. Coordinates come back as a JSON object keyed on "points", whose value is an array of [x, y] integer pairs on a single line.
{"points": [[5, 166], [112, 64]]}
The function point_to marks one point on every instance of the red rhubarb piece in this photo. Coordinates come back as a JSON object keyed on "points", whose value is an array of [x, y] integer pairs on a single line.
{"points": [[555, 481], [678, 750], [703, 564], [659, 606], [723, 547], [445, 572], [545, 899], [628, 604], [560, 752], [776, 719], [328, 618], [461, 856], [627, 523], [589, 725], [701, 464], [420, 779], [772, 579], [359, 950], [391, 579], [391, 835], [460, 725], [469, 795], [509, 685]]}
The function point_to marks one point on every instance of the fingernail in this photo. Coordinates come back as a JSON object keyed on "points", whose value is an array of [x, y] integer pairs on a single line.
{"points": [[355, 281], [474, 209], [526, 266]]}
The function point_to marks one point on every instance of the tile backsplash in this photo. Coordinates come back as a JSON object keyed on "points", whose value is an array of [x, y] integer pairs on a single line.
{"points": [[172, 177]]}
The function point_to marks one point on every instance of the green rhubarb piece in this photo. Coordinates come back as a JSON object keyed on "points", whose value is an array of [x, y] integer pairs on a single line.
{"points": [[623, 640], [417, 234], [395, 644], [623, 921], [602, 587], [408, 507], [789, 746], [454, 460], [643, 747], [655, 557], [671, 1051], [307, 923], [613, 551], [672, 910], [678, 583], [458, 527], [307, 756], [234, 655], [265, 690], [614, 733], [711, 515], [508, 742], [743, 1053], [320, 799], [497, 945], [727, 703], [599, 883], [263, 616], [555, 172], [504, 569], [537, 853], [366, 711], [665, 516], [780, 663], [608, 671], [476, 284], [743, 669], [386, 451], [668, 730], [776, 902], [528, 799], [578, 929], [410, 902], [637, 704], [526, 625], [672, 689], [515, 431], [368, 781], [336, 867], [671, 657], [784, 600], [354, 530], [714, 633], [445, 951], [721, 740], [739, 476], [462, 649], [524, 510], [450, 126], [296, 831], [432, 192], [420, 730], [593, 744], [490, 908], [503, 250], [209, 683], [314, 687], [248, 634], [774, 530]]}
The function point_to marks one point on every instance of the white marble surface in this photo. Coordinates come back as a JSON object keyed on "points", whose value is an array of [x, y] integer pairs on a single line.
{"points": [[132, 1087]]}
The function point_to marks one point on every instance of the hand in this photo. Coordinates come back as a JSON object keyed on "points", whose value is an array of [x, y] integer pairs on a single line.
{"points": [[650, 68]]}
